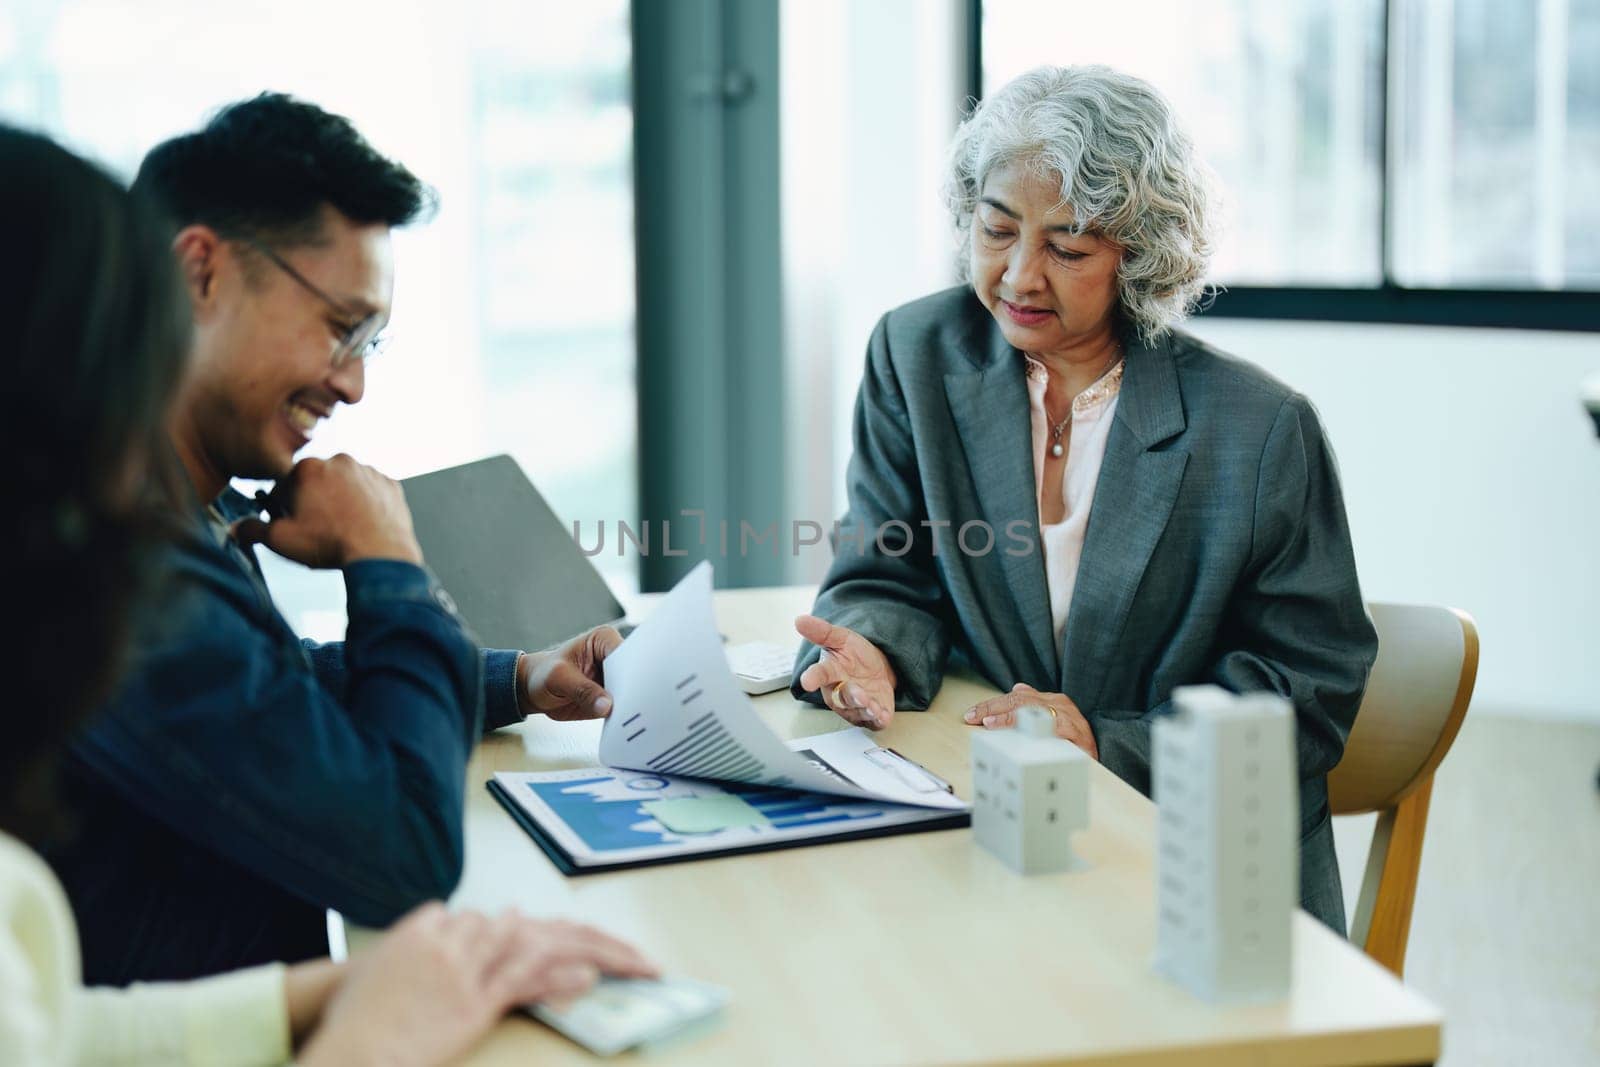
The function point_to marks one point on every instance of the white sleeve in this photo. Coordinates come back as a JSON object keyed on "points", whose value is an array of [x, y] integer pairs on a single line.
{"points": [[38, 961], [238, 1019]]}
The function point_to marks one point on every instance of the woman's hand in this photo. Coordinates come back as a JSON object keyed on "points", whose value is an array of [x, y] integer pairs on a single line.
{"points": [[307, 988], [855, 678], [439, 980], [998, 713]]}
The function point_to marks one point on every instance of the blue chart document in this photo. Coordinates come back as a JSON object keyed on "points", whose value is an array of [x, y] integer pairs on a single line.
{"points": [[691, 768], [601, 818]]}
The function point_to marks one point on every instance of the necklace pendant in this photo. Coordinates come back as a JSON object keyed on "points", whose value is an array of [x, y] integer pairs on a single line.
{"points": [[1056, 450]]}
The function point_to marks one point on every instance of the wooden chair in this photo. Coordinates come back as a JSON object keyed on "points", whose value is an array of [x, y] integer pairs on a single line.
{"points": [[1415, 702]]}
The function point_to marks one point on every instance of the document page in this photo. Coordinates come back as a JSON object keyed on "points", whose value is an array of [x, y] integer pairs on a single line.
{"points": [[679, 711], [600, 818]]}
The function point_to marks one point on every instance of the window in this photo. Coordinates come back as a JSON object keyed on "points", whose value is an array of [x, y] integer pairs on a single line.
{"points": [[1497, 144], [1280, 97], [514, 307], [1408, 160], [552, 137]]}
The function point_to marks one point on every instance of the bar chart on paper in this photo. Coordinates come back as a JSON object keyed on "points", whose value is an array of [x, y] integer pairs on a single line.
{"points": [[679, 711], [601, 818], [708, 750], [611, 818]]}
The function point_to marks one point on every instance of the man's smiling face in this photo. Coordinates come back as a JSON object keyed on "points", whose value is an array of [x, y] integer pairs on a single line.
{"points": [[265, 341]]}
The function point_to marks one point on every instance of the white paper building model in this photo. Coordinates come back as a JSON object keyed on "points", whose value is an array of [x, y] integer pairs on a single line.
{"points": [[1227, 865], [1030, 791]]}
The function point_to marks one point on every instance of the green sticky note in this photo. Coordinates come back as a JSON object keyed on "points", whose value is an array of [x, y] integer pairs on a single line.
{"points": [[703, 815]]}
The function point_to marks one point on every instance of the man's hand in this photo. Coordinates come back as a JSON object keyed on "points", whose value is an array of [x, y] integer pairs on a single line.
{"points": [[999, 713], [338, 511], [567, 682]]}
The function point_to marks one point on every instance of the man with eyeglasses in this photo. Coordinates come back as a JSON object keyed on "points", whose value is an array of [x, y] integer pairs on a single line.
{"points": [[242, 781]]}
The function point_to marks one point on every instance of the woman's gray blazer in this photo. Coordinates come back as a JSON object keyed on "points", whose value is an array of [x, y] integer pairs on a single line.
{"points": [[1217, 549]]}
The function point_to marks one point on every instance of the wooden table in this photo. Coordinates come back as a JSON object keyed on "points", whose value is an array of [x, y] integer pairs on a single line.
{"points": [[921, 948]]}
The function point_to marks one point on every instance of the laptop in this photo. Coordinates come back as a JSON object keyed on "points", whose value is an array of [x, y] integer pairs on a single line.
{"points": [[513, 568]]}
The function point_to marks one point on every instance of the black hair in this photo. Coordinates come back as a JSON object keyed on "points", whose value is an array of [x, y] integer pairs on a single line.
{"points": [[94, 332], [265, 167]]}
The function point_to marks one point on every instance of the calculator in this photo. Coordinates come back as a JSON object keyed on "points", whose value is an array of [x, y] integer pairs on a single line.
{"points": [[762, 666]]}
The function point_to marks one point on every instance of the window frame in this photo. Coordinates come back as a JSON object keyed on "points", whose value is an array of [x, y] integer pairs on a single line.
{"points": [[1387, 302]]}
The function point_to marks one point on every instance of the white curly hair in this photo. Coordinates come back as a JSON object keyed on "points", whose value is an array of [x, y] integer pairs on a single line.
{"points": [[1128, 172]]}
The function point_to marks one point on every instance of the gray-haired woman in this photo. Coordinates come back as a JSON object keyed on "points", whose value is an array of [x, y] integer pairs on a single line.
{"points": [[1083, 503]]}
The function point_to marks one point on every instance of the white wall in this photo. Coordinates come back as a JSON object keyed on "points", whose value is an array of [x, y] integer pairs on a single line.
{"points": [[1472, 478]]}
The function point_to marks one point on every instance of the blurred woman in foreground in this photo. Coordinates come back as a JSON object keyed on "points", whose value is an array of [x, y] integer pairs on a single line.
{"points": [[95, 330]]}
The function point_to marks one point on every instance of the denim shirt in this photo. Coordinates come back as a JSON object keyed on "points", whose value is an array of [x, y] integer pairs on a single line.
{"points": [[242, 781]]}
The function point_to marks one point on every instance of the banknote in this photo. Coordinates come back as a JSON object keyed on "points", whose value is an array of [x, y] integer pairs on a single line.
{"points": [[619, 1014]]}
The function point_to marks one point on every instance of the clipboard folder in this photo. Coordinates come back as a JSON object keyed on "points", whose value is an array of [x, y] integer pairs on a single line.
{"points": [[547, 828]]}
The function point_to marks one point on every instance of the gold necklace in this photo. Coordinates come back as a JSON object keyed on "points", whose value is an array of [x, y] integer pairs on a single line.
{"points": [[1099, 388]]}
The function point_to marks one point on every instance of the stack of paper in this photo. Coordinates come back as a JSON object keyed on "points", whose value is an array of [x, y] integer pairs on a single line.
{"points": [[691, 769], [679, 711]]}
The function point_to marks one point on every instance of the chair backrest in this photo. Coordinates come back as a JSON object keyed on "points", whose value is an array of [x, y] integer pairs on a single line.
{"points": [[1415, 701]]}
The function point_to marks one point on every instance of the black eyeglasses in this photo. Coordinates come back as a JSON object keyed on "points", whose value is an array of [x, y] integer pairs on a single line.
{"points": [[362, 339]]}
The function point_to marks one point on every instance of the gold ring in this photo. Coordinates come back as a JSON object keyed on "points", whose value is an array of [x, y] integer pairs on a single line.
{"points": [[838, 694]]}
